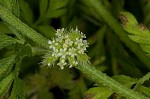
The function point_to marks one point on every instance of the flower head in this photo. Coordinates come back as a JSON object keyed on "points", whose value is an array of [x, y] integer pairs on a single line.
{"points": [[67, 48]]}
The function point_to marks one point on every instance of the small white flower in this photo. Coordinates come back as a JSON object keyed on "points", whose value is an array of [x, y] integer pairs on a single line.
{"points": [[76, 29], [62, 63], [56, 44], [82, 35], [59, 32], [80, 42], [68, 42], [75, 63], [62, 53], [81, 51], [72, 52], [53, 41], [66, 47], [66, 36], [55, 53], [70, 66], [49, 64], [49, 42]]}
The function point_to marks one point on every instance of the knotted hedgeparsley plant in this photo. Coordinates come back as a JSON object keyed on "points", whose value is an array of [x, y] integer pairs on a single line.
{"points": [[67, 48]]}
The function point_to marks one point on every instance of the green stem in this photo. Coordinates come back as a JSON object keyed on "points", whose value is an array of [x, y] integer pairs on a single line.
{"points": [[105, 80], [7, 16], [115, 26]]}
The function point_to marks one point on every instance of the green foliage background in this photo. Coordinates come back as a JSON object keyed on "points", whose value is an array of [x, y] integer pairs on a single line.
{"points": [[21, 74]]}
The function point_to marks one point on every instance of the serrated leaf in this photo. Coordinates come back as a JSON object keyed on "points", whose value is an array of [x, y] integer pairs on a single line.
{"points": [[18, 91], [6, 83], [6, 40], [140, 39], [98, 93], [6, 65], [137, 32], [125, 80], [13, 6], [26, 12], [145, 48], [129, 82]]}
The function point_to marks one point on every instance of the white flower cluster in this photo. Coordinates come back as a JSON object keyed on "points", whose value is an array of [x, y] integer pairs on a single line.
{"points": [[66, 47]]}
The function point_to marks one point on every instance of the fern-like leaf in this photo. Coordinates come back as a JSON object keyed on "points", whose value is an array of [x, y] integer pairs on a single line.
{"points": [[137, 32]]}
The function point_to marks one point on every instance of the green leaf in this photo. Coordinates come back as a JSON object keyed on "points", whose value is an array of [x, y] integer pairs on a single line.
{"points": [[129, 82], [23, 51], [4, 29], [144, 90], [125, 80], [128, 21], [6, 40], [137, 32], [43, 6], [12, 5], [46, 30], [98, 93], [57, 13], [18, 91], [26, 12], [6, 83], [56, 8], [17, 33], [146, 11], [6, 65], [142, 80], [145, 47]]}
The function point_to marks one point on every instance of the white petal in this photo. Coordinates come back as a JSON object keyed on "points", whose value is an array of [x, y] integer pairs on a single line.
{"points": [[49, 42], [49, 64]]}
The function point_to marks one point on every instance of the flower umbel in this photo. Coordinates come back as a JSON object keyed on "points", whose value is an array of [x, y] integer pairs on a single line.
{"points": [[68, 48]]}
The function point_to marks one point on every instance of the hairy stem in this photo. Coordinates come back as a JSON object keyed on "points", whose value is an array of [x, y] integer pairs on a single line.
{"points": [[8, 16], [105, 80], [115, 26]]}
